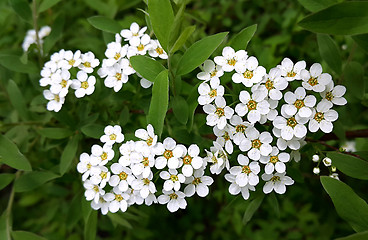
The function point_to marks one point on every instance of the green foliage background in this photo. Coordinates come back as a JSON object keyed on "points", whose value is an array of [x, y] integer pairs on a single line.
{"points": [[41, 193]]}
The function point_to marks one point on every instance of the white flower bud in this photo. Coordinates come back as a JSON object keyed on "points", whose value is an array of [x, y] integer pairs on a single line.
{"points": [[327, 161], [316, 170], [315, 158], [335, 176], [333, 168]]}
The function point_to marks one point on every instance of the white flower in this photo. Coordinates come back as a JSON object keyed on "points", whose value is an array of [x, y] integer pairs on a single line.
{"points": [[327, 161], [254, 106], [174, 200], [112, 135], [101, 204], [101, 177], [57, 58], [273, 84], [122, 177], [115, 78], [93, 191], [86, 166], [145, 83], [291, 126], [140, 47], [133, 34], [282, 144], [230, 59], [323, 117], [275, 161], [257, 144], [241, 128], [88, 62], [334, 94], [246, 173], [48, 74], [156, 50], [349, 146], [218, 157], [170, 154], [173, 179], [276, 182], [314, 79], [191, 160], [198, 183], [147, 135], [126, 66], [118, 200], [224, 137], [316, 170], [235, 189], [208, 93], [142, 162], [298, 103], [114, 53], [248, 72], [71, 59], [290, 71], [44, 31], [129, 153], [218, 113], [210, 71], [315, 158], [335, 176], [101, 155], [145, 186], [61, 82], [84, 85], [55, 101]]}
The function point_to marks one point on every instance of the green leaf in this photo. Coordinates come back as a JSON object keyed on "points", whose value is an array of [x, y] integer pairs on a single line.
{"points": [[117, 219], [93, 130], [159, 102], [90, 228], [353, 79], [23, 235], [329, 52], [55, 35], [4, 227], [69, 154], [21, 7], [46, 4], [105, 24], [362, 41], [349, 165], [146, 67], [6, 179], [182, 38], [356, 236], [252, 208], [176, 30], [180, 109], [17, 100], [162, 18], [55, 133], [192, 105], [32, 180], [199, 52], [348, 204], [316, 5], [347, 18], [13, 63], [11, 156], [241, 40]]}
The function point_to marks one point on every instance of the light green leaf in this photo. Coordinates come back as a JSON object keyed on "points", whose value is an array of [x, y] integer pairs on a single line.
{"points": [[32, 180], [252, 208], [353, 79], [329, 52], [199, 52], [55, 35], [349, 165], [241, 40], [105, 24], [162, 18], [146, 67], [159, 102], [182, 38], [6, 179], [23, 235], [13, 63], [69, 154], [356, 236], [362, 41], [21, 7], [17, 100], [348, 204], [316, 5], [181, 109], [347, 18], [11, 156], [93, 130], [55, 133], [46, 4], [176, 30], [90, 228], [117, 219]]}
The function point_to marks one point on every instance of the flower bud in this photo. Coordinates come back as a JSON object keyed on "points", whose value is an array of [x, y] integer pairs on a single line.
{"points": [[316, 170], [315, 158], [327, 161], [333, 168], [335, 176]]}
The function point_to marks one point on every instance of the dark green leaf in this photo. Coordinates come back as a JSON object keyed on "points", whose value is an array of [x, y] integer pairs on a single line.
{"points": [[103, 7], [90, 228], [199, 52], [6, 179], [13, 63], [350, 165], [252, 208], [55, 35], [162, 18], [23, 235], [146, 67], [348, 204], [353, 79], [55, 133], [17, 100], [182, 38], [192, 105], [119, 220], [10, 155], [105, 24], [316, 5], [180, 109], [69, 154], [159, 102], [362, 41], [241, 40], [46, 4], [347, 18], [356, 236], [93, 130], [32, 180], [329, 52], [21, 7]]}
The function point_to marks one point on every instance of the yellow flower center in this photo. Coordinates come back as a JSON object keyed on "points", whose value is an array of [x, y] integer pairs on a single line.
{"points": [[149, 141], [64, 83], [145, 162], [313, 81], [71, 62], [140, 47], [56, 98], [246, 169], [275, 179], [84, 85], [291, 122], [196, 181], [174, 178], [113, 137], [231, 62], [299, 104], [96, 188], [248, 74], [146, 181], [291, 74], [123, 176], [159, 50], [319, 116], [226, 136], [213, 73], [329, 96], [240, 128], [87, 64], [214, 159], [117, 56], [274, 159], [118, 76], [187, 160], [252, 105], [256, 143], [173, 196], [213, 93], [104, 156], [118, 197], [168, 154], [89, 166], [220, 112], [269, 85]]}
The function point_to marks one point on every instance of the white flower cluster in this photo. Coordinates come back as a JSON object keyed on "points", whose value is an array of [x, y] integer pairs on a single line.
{"points": [[129, 179], [267, 103], [31, 37], [328, 163], [116, 68], [57, 74]]}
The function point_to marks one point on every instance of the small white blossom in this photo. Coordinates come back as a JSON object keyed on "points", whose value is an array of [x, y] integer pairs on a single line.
{"points": [[314, 79], [122, 177], [235, 189], [230, 59], [55, 101], [170, 154], [327, 161], [93, 191], [248, 72], [117, 199], [208, 93], [173, 179], [224, 137], [84, 85], [112, 135], [334, 94], [115, 78], [323, 117], [89, 62], [218, 113], [276, 182], [254, 106], [211, 72], [198, 183], [174, 200], [156, 50], [256, 145], [290, 71], [275, 161], [298, 103], [145, 186], [191, 160], [246, 173], [133, 34], [101, 155]]}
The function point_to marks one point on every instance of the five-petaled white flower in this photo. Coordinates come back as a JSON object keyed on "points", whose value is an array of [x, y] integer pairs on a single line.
{"points": [[314, 79], [84, 85], [112, 135], [218, 113], [209, 92], [198, 183], [254, 106], [122, 177], [170, 154], [256, 144], [246, 173], [323, 117], [210, 72], [248, 72], [334, 94], [230, 59], [298, 103], [276, 182], [133, 34], [290, 71], [174, 200], [275, 161], [173, 179]]}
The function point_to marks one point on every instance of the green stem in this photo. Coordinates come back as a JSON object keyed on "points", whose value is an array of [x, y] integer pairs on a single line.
{"points": [[35, 26], [9, 208]]}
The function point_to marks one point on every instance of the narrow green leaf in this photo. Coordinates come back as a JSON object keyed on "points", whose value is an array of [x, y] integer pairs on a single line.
{"points": [[348, 204], [353, 79], [356, 236], [180, 109], [159, 102], [17, 100], [192, 105], [241, 40], [93, 130], [316, 5], [103, 7], [11, 156], [105, 24], [55, 133], [329, 52], [119, 220], [272, 199], [69, 154], [362, 41], [23, 235], [55, 35], [252, 208], [13, 63], [187, 32], [146, 67], [347, 18], [6, 179], [22, 8], [199, 52], [46, 4], [176, 30], [162, 18], [349, 165], [90, 228], [32, 180]]}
